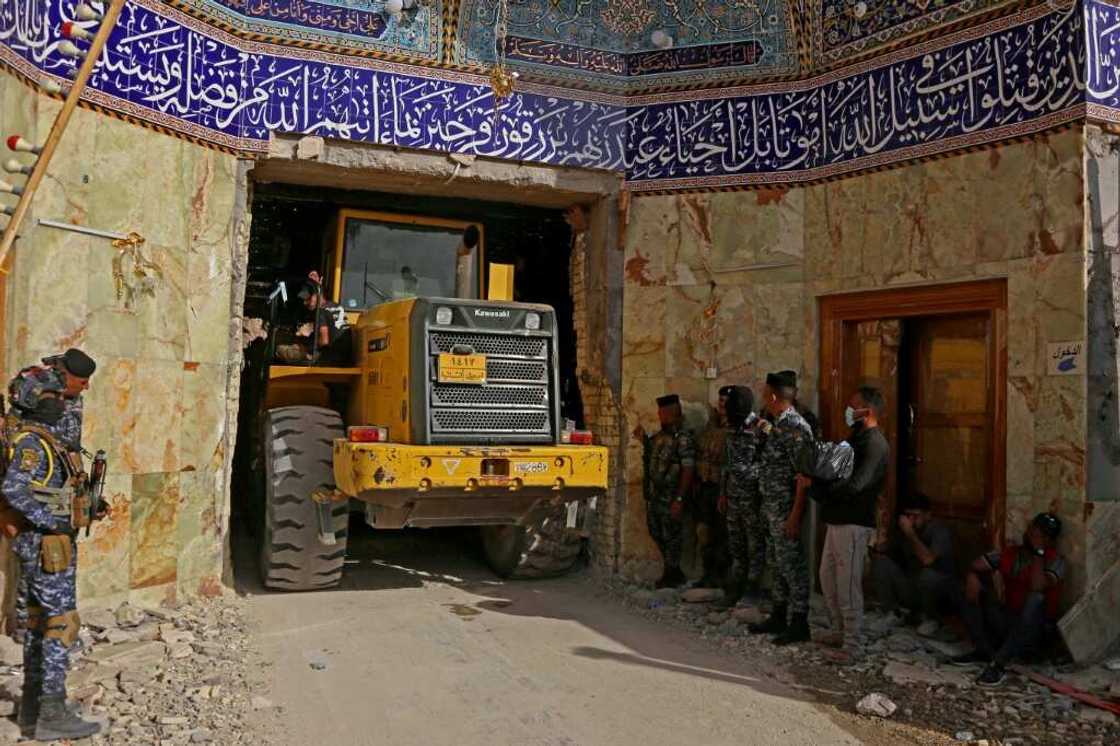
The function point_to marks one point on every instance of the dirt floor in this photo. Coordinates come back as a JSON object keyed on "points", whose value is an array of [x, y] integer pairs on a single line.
{"points": [[422, 645]]}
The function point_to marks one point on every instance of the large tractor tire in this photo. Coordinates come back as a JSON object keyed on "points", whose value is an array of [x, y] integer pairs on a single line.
{"points": [[545, 549], [298, 453]]}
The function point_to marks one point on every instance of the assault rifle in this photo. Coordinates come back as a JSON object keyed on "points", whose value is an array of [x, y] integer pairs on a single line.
{"points": [[94, 504]]}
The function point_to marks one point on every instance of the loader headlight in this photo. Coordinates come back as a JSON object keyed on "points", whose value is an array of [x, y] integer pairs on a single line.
{"points": [[532, 321], [443, 315]]}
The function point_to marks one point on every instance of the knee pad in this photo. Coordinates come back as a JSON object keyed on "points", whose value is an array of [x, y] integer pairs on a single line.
{"points": [[64, 627], [35, 618]]}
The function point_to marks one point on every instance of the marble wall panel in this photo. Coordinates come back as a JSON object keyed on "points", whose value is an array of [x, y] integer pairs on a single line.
{"points": [[153, 526], [157, 402], [199, 535], [1011, 212], [103, 556]]}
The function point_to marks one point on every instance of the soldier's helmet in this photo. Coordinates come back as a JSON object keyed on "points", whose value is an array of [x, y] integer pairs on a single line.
{"points": [[29, 385]]}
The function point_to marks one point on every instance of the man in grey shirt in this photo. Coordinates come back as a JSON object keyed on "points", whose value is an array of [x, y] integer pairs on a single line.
{"points": [[916, 571]]}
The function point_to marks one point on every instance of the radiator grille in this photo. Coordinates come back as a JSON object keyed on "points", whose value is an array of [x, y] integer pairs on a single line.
{"points": [[509, 370], [515, 403], [506, 345], [444, 394], [475, 421]]}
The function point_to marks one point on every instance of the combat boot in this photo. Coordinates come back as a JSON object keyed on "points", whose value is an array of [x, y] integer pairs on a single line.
{"points": [[57, 722], [774, 624], [28, 714], [797, 631]]}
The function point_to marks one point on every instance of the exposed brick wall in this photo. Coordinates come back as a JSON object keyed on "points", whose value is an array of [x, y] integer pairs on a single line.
{"points": [[600, 407]]}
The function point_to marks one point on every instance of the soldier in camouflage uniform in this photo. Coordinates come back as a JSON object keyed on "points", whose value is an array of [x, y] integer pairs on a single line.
{"points": [[76, 367], [672, 463], [740, 498], [807, 414], [783, 504], [37, 486], [711, 524]]}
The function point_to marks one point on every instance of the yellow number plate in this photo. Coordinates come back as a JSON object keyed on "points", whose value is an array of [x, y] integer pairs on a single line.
{"points": [[462, 368]]}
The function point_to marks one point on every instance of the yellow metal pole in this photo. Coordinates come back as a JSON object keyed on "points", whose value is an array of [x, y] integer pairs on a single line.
{"points": [[40, 168]]}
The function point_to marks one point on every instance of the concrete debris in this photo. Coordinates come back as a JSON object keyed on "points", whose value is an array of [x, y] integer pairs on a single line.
{"points": [[99, 619], [180, 650], [9, 731], [701, 595], [1093, 715], [11, 652], [7, 707], [667, 595], [118, 636], [130, 654], [1113, 665], [156, 691], [904, 673], [130, 616], [911, 672], [877, 705], [717, 617]]}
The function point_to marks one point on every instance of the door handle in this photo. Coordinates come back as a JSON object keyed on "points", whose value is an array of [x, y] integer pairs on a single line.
{"points": [[915, 459]]}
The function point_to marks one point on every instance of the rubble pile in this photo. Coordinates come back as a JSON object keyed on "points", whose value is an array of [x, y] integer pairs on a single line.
{"points": [[155, 676], [905, 676]]}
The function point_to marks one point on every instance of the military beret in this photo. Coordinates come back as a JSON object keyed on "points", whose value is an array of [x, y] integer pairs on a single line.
{"points": [[668, 401], [77, 363], [726, 390], [782, 379]]}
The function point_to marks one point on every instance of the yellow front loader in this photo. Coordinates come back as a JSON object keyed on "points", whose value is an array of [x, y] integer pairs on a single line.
{"points": [[446, 413]]}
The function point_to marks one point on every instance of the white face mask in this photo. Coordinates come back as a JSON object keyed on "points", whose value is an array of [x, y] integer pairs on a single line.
{"points": [[850, 417]]}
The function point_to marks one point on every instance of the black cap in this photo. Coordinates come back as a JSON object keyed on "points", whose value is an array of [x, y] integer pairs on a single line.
{"points": [[668, 401], [726, 390], [782, 379], [1049, 524], [77, 363]]}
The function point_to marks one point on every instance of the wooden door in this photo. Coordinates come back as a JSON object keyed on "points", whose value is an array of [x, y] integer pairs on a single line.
{"points": [[949, 422], [950, 312]]}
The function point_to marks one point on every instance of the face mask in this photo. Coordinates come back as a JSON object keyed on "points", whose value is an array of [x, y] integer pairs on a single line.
{"points": [[850, 417], [50, 411]]}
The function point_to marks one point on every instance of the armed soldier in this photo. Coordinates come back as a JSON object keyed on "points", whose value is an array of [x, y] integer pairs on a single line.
{"points": [[739, 499], [783, 502], [711, 525], [76, 368], [670, 473], [44, 484]]}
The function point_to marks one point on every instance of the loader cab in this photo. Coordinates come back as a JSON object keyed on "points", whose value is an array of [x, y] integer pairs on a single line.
{"points": [[370, 258]]}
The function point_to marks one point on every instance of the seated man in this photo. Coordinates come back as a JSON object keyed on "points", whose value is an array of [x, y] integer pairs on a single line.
{"points": [[327, 332], [915, 571], [1010, 601]]}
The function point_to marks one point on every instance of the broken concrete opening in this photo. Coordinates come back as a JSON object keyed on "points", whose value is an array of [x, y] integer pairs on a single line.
{"points": [[296, 203]]}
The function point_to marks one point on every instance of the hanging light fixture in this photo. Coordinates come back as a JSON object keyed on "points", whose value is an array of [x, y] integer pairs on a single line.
{"points": [[501, 80]]}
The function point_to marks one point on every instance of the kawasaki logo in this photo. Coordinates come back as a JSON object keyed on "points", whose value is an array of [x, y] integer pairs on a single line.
{"points": [[491, 314]]}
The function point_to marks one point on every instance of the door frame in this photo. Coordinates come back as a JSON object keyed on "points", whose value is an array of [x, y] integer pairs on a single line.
{"points": [[926, 300]]}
